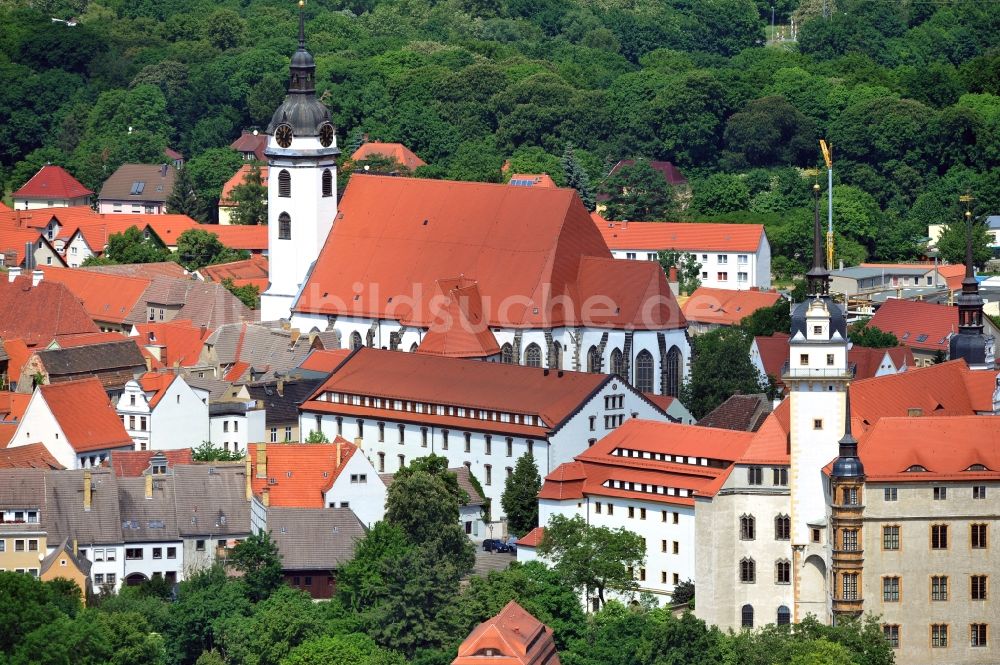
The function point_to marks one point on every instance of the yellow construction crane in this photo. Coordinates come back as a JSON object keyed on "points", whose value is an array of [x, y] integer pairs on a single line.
{"points": [[828, 158]]}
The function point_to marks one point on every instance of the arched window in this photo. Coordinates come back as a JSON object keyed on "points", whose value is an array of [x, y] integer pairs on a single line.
{"points": [[355, 340], [533, 355], [782, 527], [284, 226], [593, 360], [284, 184], [507, 354], [746, 616], [784, 616], [555, 362], [327, 182], [748, 530], [617, 363], [673, 371], [413, 347], [644, 372], [748, 571]]}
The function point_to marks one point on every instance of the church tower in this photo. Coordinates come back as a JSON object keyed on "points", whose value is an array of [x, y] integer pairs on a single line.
{"points": [[817, 376], [302, 184], [970, 343]]}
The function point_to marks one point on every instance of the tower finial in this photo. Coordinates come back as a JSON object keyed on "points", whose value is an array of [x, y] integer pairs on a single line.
{"points": [[848, 464], [302, 24], [969, 271], [817, 279]]}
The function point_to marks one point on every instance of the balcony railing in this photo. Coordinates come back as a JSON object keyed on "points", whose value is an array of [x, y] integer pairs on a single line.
{"points": [[816, 372]]}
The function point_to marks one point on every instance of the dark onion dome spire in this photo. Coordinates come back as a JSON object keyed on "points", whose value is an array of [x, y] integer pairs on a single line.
{"points": [[970, 343], [848, 464], [817, 279], [301, 110]]}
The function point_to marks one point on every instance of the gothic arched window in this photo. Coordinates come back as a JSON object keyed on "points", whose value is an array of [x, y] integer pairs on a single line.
{"points": [[555, 362], [746, 616], [617, 362], [748, 571], [593, 360], [673, 370], [748, 527], [533, 355], [284, 184], [327, 182], [644, 372], [284, 226], [356, 340], [507, 354], [782, 527]]}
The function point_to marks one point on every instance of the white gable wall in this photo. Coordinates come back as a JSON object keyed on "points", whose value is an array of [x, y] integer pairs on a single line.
{"points": [[360, 487], [40, 425]]}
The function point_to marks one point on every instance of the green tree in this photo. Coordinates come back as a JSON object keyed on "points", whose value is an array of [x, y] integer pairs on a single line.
{"points": [[248, 294], [721, 193], [768, 320], [532, 159], [25, 605], [316, 437], [250, 199], [592, 558], [952, 243], [131, 246], [864, 334], [683, 592], [520, 496], [437, 466], [202, 600], [265, 96], [354, 648], [197, 248], [206, 452], [286, 619], [259, 560], [688, 269], [226, 29], [577, 178], [720, 368], [639, 193], [183, 200], [362, 580], [209, 171]]}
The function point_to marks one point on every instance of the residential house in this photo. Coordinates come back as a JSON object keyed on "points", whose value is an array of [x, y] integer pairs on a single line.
{"points": [[112, 364], [934, 231], [26, 248], [281, 398], [37, 311], [743, 413], [51, 187], [731, 256], [925, 328], [249, 353], [531, 180], [213, 511], [22, 505], [710, 308], [172, 344], [395, 151], [251, 145], [248, 272], [76, 422], [137, 189], [644, 477], [233, 425], [147, 506], [512, 637], [161, 411], [64, 562], [14, 353], [110, 300], [226, 203], [176, 158], [135, 463], [482, 415]]}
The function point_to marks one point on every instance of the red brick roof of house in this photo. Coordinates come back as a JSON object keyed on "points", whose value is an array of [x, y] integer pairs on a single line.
{"points": [[108, 298], [4, 207], [38, 314], [180, 342], [684, 236], [225, 200], [917, 324], [31, 456], [325, 360], [397, 151], [298, 475], [13, 241], [252, 238], [52, 182], [251, 141], [251, 271], [13, 405], [460, 330], [533, 538], [512, 637], [531, 180], [85, 415], [533, 253], [17, 355], [132, 463], [726, 307]]}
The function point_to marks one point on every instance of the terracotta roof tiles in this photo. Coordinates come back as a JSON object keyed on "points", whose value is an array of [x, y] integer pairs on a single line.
{"points": [[299, 474], [917, 324], [106, 298], [85, 415], [38, 314], [513, 637], [687, 236], [132, 463], [533, 538], [178, 342], [726, 307], [31, 456], [52, 182], [397, 151], [238, 179]]}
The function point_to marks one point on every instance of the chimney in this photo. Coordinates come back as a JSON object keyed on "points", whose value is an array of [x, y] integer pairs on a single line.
{"points": [[672, 277], [296, 333], [338, 451], [149, 364], [87, 489], [545, 372], [280, 387], [149, 486], [914, 412], [262, 460], [76, 550], [36, 277], [559, 374], [29, 255], [842, 264], [163, 170], [13, 273], [265, 496], [248, 471]]}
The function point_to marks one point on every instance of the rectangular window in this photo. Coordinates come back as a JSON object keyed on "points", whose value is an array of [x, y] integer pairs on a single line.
{"points": [[199, 545], [288, 433], [663, 546], [850, 496], [979, 585], [631, 512], [642, 574], [891, 632], [783, 572], [829, 359], [939, 536], [890, 537], [510, 447], [133, 553], [940, 493], [98, 579], [722, 276], [381, 432], [755, 475], [939, 587], [677, 518], [423, 437], [889, 494], [723, 259], [468, 442], [677, 547], [977, 635], [939, 635], [597, 507], [978, 536], [489, 473], [849, 540], [157, 552], [19, 545], [611, 509], [131, 423], [381, 462], [849, 586], [489, 444], [171, 552], [890, 589], [642, 513], [274, 435], [780, 476], [979, 491], [742, 277], [803, 359], [444, 439], [402, 433], [817, 423], [111, 554]]}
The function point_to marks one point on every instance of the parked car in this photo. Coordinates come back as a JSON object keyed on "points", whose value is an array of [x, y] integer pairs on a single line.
{"points": [[512, 544], [494, 545]]}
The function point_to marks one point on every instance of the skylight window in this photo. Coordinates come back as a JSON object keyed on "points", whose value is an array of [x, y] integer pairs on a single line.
{"points": [[137, 187], [922, 338]]}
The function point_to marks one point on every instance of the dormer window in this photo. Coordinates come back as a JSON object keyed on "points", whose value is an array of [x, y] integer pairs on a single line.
{"points": [[977, 467], [817, 330], [916, 468]]}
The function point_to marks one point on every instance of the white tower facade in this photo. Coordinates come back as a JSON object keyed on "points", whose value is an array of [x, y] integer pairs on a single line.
{"points": [[302, 185]]}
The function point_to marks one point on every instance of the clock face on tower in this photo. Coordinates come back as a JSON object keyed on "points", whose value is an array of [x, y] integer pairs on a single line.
{"points": [[326, 135], [283, 135]]}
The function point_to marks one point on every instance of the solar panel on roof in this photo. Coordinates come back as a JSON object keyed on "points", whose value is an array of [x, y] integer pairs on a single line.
{"points": [[137, 187]]}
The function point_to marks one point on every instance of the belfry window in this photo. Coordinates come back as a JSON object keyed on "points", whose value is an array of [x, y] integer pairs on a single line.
{"points": [[284, 184], [327, 183], [284, 226]]}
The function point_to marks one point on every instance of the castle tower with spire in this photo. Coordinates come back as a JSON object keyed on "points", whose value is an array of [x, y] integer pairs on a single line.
{"points": [[817, 375], [970, 343], [847, 487], [302, 184]]}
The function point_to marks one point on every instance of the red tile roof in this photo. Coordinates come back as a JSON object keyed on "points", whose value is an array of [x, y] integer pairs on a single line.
{"points": [[12, 405], [252, 238], [156, 383], [533, 538], [459, 331], [320, 360], [302, 472], [85, 415], [773, 354], [552, 395], [238, 179], [254, 142], [867, 361], [533, 253], [109, 298], [513, 637], [17, 355], [531, 180], [180, 342], [52, 182], [949, 448], [770, 443], [31, 456], [687, 236], [726, 307], [4, 207], [254, 268], [13, 241], [397, 151], [132, 463], [7, 431], [918, 324], [38, 314]]}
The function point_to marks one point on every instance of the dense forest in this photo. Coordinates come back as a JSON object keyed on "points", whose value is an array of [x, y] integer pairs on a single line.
{"points": [[907, 92]]}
